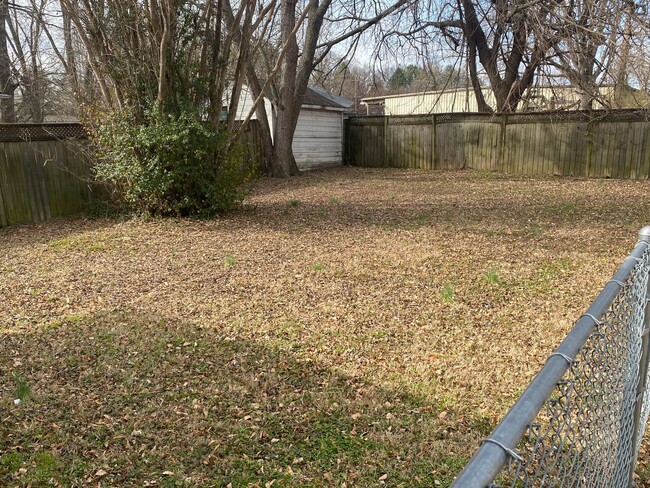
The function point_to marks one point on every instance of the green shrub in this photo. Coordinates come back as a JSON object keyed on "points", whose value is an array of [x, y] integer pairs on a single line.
{"points": [[169, 164]]}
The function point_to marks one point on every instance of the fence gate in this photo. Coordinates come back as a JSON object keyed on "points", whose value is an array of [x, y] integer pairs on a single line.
{"points": [[581, 420]]}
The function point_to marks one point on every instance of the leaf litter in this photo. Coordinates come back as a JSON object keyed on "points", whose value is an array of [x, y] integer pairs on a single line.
{"points": [[376, 332]]}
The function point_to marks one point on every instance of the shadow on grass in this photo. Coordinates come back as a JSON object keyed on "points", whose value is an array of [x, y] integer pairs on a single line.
{"points": [[358, 198], [351, 199], [127, 400]]}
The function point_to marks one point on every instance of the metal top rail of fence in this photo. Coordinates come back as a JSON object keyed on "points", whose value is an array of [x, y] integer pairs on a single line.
{"points": [[581, 420]]}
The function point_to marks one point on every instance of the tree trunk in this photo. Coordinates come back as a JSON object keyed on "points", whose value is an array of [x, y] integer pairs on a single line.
{"points": [[70, 59], [622, 70], [505, 55], [586, 81], [165, 56], [476, 83], [7, 87], [288, 108], [283, 161]]}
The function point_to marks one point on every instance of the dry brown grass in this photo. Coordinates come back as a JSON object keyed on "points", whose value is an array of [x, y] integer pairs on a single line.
{"points": [[356, 327]]}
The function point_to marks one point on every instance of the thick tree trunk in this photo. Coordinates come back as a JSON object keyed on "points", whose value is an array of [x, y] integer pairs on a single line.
{"points": [[621, 86], [586, 81], [508, 87], [7, 87], [288, 107], [476, 83], [284, 163]]}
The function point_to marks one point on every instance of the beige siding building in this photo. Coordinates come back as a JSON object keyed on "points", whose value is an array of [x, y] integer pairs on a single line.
{"points": [[463, 100]]}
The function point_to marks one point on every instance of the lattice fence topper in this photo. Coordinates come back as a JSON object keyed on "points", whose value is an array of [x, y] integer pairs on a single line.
{"points": [[581, 420], [592, 116], [40, 132]]}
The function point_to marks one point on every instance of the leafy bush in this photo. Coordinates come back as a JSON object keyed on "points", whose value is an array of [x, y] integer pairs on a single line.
{"points": [[169, 164]]}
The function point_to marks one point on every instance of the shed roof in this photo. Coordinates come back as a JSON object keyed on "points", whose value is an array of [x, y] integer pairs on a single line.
{"points": [[318, 96]]}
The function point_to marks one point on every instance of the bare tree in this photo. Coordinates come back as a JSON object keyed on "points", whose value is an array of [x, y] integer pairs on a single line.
{"points": [[593, 50], [293, 50], [508, 44], [26, 28], [163, 53], [508, 39], [7, 84]]}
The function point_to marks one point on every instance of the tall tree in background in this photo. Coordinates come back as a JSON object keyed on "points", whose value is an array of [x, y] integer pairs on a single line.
{"points": [[507, 44], [301, 42], [510, 41], [164, 53], [594, 46], [121, 54], [26, 36], [431, 77], [7, 85]]}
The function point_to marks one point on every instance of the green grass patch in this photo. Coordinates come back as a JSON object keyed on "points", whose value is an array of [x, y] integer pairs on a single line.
{"points": [[78, 243], [561, 209], [11, 462], [534, 230], [447, 294], [22, 390], [45, 467], [493, 277], [546, 277], [229, 261], [448, 467], [553, 269]]}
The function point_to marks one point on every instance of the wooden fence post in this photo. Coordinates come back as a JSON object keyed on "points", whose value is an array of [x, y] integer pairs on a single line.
{"points": [[433, 142], [344, 141], [3, 215], [502, 139], [589, 146], [386, 162]]}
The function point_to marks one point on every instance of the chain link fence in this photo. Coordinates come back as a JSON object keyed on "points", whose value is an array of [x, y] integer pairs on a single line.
{"points": [[581, 420]]}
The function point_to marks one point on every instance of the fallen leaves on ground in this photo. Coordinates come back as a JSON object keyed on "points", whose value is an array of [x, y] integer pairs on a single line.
{"points": [[349, 326]]}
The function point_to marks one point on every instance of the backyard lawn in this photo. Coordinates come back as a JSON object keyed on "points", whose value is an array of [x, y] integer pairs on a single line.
{"points": [[348, 327]]}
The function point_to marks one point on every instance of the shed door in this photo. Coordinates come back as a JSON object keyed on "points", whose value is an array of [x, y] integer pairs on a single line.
{"points": [[318, 140]]}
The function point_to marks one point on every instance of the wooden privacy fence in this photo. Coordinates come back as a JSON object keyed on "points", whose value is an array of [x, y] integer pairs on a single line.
{"points": [[251, 144], [46, 170], [595, 144]]}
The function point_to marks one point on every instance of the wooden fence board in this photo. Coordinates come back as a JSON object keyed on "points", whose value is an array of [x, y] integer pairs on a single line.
{"points": [[3, 191], [42, 179], [644, 152]]}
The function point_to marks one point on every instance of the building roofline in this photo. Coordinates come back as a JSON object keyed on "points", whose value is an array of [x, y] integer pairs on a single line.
{"points": [[429, 92], [324, 107], [457, 90]]}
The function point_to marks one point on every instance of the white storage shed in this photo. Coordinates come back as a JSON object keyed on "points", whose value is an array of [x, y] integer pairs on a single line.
{"points": [[318, 140]]}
